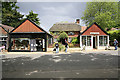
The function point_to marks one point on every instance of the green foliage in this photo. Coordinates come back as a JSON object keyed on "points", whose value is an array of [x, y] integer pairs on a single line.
{"points": [[71, 45], [118, 23], [103, 13], [114, 31], [62, 36], [34, 17], [10, 15], [51, 33], [114, 35], [61, 47], [75, 40]]}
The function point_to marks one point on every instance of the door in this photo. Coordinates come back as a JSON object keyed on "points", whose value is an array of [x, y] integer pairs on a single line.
{"points": [[94, 41]]}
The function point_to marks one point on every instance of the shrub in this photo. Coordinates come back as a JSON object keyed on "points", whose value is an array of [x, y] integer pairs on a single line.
{"points": [[114, 35], [74, 40], [71, 45], [62, 36]]}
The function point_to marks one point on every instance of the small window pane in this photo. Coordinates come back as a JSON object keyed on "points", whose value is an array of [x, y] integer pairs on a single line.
{"points": [[84, 40], [101, 40], [105, 40], [88, 40]]}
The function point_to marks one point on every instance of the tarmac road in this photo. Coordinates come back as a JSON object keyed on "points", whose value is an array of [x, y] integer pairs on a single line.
{"points": [[74, 65]]}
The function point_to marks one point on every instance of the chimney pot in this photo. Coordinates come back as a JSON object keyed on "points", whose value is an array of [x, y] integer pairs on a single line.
{"points": [[78, 21]]}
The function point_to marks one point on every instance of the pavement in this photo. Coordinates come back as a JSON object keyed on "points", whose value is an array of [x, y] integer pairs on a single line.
{"points": [[84, 64]]}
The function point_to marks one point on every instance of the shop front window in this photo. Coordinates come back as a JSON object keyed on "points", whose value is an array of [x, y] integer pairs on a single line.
{"points": [[84, 40], [102, 40], [88, 40], [105, 40], [20, 44]]}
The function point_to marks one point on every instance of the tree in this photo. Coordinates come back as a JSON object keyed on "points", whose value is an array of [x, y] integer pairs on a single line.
{"points": [[10, 15], [118, 23], [115, 34], [103, 13], [0, 11], [62, 37], [34, 17]]}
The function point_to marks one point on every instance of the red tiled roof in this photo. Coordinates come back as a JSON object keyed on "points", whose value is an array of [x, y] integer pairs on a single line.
{"points": [[4, 29], [27, 26], [7, 28], [94, 28]]}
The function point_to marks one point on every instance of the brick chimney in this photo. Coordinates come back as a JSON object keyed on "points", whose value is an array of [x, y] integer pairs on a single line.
{"points": [[77, 21]]}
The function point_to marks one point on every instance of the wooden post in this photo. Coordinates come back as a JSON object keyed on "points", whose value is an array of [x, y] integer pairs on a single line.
{"points": [[108, 40], [9, 43], [45, 42], [80, 41], [92, 41], [98, 41]]}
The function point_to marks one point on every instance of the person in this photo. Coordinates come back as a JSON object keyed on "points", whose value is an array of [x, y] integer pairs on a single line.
{"points": [[115, 44], [57, 47], [2, 47], [66, 47]]}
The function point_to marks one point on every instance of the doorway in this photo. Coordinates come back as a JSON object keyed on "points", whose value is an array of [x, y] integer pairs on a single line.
{"points": [[39, 44], [94, 41]]}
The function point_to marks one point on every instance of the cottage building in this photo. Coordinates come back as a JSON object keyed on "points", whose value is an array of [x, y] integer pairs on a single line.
{"points": [[28, 36], [94, 37], [4, 30], [72, 29]]}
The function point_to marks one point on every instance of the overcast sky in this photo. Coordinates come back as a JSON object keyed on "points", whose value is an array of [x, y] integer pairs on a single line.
{"points": [[52, 12]]}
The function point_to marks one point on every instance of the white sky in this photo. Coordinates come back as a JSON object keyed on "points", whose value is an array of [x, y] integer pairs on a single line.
{"points": [[52, 11]]}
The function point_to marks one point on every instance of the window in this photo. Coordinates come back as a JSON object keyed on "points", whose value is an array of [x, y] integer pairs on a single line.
{"points": [[84, 40], [105, 40], [102, 40], [71, 33], [88, 40], [3, 38], [20, 44]]}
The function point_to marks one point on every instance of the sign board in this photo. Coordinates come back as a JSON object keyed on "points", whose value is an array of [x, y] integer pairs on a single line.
{"points": [[94, 32]]}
